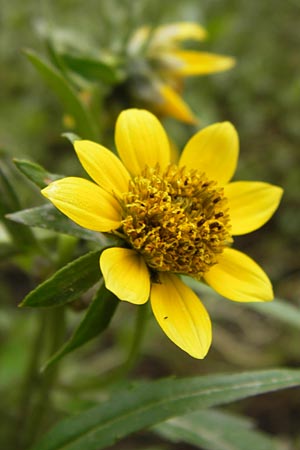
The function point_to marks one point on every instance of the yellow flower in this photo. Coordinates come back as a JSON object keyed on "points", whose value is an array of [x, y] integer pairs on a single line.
{"points": [[158, 78], [173, 219]]}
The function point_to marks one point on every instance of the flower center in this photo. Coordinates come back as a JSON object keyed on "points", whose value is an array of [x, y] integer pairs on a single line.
{"points": [[177, 220]]}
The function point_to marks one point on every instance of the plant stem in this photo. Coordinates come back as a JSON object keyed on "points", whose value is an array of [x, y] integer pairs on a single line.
{"points": [[29, 385], [116, 374], [139, 331], [35, 404]]}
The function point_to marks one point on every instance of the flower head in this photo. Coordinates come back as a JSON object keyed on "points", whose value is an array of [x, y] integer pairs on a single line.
{"points": [[173, 219], [161, 64]]}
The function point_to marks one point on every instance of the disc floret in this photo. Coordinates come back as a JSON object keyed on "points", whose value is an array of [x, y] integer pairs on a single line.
{"points": [[178, 220]]}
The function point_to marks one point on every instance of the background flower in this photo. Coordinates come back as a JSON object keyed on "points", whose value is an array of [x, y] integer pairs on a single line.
{"points": [[159, 63]]}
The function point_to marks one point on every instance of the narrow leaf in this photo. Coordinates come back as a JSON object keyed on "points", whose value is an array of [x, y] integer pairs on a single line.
{"points": [[48, 217], [22, 237], [215, 430], [36, 173], [152, 402], [72, 137], [68, 96], [279, 309], [68, 283], [91, 68], [95, 321]]}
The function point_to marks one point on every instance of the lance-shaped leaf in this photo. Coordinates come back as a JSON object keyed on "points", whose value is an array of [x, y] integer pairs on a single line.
{"points": [[95, 321], [68, 96], [278, 309], [48, 217], [72, 137], [68, 283], [215, 430], [91, 68], [22, 237], [152, 402], [36, 173]]}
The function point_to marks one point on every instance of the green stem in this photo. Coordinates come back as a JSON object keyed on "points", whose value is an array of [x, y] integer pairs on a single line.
{"points": [[116, 374], [139, 332], [29, 385], [39, 408], [42, 410]]}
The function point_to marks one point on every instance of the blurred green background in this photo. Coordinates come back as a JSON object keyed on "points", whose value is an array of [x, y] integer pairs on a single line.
{"points": [[261, 96]]}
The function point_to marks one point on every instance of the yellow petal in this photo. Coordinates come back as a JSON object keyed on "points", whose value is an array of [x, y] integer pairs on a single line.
{"points": [[200, 63], [172, 105], [177, 32], [181, 315], [141, 140], [125, 274], [102, 166], [251, 204], [137, 40], [85, 203], [213, 150], [239, 278], [165, 36]]}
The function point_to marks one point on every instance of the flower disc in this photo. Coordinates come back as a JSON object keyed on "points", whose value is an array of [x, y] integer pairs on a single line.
{"points": [[177, 220]]}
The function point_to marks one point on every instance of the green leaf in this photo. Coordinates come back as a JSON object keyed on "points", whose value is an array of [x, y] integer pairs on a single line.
{"points": [[8, 196], [36, 173], [215, 430], [72, 137], [95, 321], [91, 68], [68, 96], [50, 218], [68, 283], [152, 402], [22, 237], [279, 309]]}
